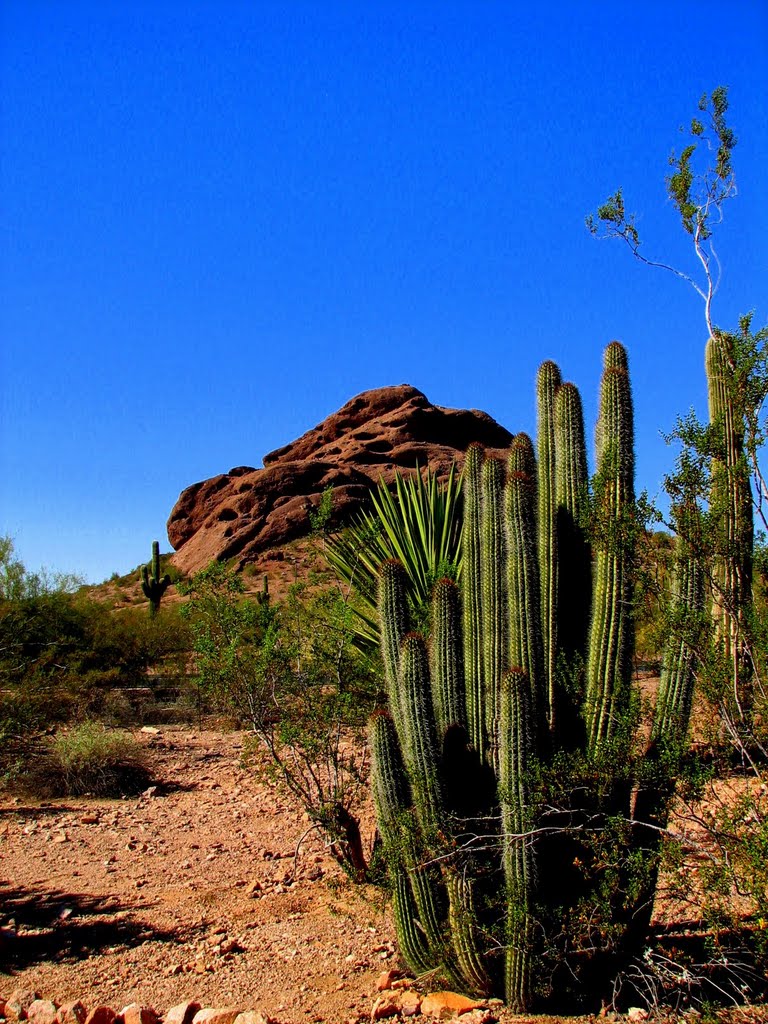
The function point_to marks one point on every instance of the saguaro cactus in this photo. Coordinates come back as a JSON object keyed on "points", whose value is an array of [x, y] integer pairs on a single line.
{"points": [[470, 756], [547, 385], [154, 586]]}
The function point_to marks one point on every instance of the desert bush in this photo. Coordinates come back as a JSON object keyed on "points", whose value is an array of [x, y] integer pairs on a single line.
{"points": [[85, 760], [290, 674]]}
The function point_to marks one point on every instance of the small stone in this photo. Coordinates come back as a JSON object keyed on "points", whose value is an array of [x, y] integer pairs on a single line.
{"points": [[212, 1015], [135, 1013], [387, 980], [181, 1013], [253, 1017], [101, 1015], [409, 1002], [89, 819], [384, 1007], [447, 1004], [41, 1011], [18, 1003], [72, 1012], [149, 730]]}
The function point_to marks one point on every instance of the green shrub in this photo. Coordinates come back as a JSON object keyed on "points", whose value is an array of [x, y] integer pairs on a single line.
{"points": [[87, 760]]}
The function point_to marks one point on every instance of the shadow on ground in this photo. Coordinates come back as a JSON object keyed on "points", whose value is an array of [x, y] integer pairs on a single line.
{"points": [[53, 925]]}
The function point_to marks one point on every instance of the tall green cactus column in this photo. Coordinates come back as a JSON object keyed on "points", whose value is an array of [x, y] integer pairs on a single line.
{"points": [[526, 647], [548, 383], [574, 568], [474, 655], [611, 642], [731, 499], [516, 749], [154, 586]]}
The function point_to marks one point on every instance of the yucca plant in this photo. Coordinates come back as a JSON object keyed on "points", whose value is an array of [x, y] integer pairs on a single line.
{"points": [[419, 524]]}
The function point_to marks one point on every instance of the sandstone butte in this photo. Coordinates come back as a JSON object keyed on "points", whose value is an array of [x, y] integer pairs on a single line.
{"points": [[243, 513]]}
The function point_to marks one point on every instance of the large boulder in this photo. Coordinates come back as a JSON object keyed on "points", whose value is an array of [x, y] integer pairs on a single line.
{"points": [[245, 512]]}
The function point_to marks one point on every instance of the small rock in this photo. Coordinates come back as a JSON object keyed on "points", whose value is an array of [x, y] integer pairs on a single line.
{"points": [[101, 1015], [72, 1012], [18, 1003], [41, 1011], [384, 1007], [149, 730], [409, 1002], [447, 1004], [478, 1017], [211, 1015], [134, 1013], [181, 1013], [387, 980], [253, 1017], [89, 819]]}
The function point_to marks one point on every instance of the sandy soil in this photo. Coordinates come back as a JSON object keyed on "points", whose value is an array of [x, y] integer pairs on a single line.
{"points": [[194, 890], [191, 891]]}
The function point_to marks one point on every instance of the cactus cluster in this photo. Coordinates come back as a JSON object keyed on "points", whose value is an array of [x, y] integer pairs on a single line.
{"points": [[154, 585], [527, 667]]}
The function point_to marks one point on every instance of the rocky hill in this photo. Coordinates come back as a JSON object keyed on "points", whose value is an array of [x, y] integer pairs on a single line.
{"points": [[246, 512]]}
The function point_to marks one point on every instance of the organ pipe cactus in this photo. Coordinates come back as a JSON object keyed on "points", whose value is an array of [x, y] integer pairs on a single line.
{"points": [[731, 499], [480, 739], [547, 385], [154, 586]]}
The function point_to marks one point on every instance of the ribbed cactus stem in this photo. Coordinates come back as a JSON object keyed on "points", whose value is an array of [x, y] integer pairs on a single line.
{"points": [[675, 696], [393, 613], [154, 586], [472, 592], [495, 613], [515, 752], [525, 642], [574, 565], [448, 694], [418, 893], [731, 501], [418, 734], [547, 384], [612, 629]]}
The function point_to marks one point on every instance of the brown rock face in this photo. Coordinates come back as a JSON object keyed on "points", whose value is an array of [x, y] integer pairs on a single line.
{"points": [[243, 513]]}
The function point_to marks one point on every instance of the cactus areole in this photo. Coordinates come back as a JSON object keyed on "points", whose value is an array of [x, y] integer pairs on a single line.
{"points": [[502, 765]]}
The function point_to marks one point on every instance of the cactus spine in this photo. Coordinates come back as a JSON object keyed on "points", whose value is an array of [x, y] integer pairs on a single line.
{"points": [[154, 586]]}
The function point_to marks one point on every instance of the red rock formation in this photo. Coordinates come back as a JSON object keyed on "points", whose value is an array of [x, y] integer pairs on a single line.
{"points": [[242, 513]]}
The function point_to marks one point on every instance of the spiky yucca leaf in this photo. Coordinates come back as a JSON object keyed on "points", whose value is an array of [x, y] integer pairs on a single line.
{"points": [[419, 524]]}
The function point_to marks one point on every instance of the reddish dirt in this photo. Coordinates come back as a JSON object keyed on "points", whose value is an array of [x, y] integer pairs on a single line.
{"points": [[140, 899], [194, 890]]}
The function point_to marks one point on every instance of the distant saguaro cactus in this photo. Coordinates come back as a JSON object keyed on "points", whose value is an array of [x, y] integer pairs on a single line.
{"points": [[154, 586]]}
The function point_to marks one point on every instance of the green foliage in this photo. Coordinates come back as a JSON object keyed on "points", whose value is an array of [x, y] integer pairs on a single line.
{"points": [[89, 760], [420, 526], [289, 672]]}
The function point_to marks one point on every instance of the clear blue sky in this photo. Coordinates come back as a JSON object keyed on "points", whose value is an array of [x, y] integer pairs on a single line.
{"points": [[222, 220]]}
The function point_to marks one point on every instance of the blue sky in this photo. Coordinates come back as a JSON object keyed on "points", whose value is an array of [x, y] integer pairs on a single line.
{"points": [[222, 220]]}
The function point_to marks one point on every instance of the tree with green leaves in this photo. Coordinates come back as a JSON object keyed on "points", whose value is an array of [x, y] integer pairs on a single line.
{"points": [[717, 460]]}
